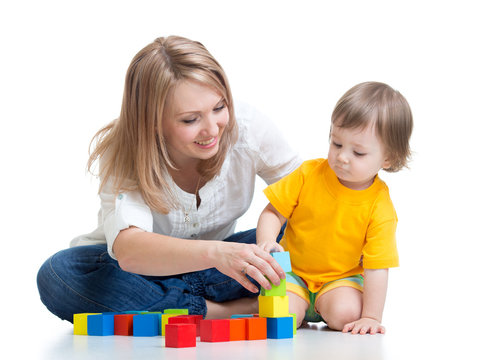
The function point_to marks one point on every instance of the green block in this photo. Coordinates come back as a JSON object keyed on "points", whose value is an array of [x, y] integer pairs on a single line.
{"points": [[176, 311], [294, 322], [280, 290]]}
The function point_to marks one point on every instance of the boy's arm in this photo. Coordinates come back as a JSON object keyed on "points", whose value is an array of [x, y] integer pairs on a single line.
{"points": [[373, 302], [268, 227]]}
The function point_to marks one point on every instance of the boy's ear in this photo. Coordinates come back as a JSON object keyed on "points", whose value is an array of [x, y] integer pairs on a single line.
{"points": [[386, 164]]}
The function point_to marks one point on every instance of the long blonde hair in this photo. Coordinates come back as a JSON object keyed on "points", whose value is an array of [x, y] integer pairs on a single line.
{"points": [[131, 149]]}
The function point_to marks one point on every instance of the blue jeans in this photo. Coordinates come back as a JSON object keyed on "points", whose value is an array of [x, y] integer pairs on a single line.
{"points": [[86, 279]]}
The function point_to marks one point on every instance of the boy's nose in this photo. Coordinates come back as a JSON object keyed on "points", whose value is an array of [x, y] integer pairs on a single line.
{"points": [[342, 158]]}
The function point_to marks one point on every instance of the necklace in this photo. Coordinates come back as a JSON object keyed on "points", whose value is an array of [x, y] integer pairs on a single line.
{"points": [[187, 219]]}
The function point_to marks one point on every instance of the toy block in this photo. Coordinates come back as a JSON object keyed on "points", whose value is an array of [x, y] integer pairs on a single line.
{"points": [[280, 327], [176, 311], [214, 330], [241, 316], [123, 324], [164, 321], [134, 312], [294, 323], [273, 306], [255, 328], [180, 335], [100, 324], [187, 319], [80, 323], [237, 329], [280, 290], [146, 325], [283, 259]]}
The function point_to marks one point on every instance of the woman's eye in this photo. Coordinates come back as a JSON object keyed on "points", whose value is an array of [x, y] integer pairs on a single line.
{"points": [[189, 121], [219, 108]]}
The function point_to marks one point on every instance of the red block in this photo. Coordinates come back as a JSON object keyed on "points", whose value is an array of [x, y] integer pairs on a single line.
{"points": [[237, 329], [256, 328], [214, 330], [187, 319], [180, 335], [123, 324]]}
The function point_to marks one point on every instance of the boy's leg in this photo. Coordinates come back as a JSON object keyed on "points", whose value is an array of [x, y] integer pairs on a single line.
{"points": [[339, 306], [298, 306]]}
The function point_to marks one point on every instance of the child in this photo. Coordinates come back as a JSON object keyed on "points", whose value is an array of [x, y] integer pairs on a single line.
{"points": [[341, 228]]}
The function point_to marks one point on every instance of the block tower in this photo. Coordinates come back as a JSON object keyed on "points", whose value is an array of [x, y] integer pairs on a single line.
{"points": [[274, 304]]}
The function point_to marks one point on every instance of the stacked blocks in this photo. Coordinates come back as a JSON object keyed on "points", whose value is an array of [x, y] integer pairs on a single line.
{"points": [[274, 304], [180, 335]]}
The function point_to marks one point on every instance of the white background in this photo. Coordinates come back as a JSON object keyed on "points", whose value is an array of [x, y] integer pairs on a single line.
{"points": [[62, 70]]}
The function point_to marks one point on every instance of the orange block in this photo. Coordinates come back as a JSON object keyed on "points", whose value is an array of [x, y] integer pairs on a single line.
{"points": [[237, 329], [256, 328]]}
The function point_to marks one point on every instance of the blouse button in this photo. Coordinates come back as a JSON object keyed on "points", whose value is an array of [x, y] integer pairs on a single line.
{"points": [[120, 196]]}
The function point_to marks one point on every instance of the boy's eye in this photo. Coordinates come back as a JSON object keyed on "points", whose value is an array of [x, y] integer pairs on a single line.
{"points": [[338, 146], [358, 153]]}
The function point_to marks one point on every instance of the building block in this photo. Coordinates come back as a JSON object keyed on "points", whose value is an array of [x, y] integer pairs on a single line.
{"points": [[100, 324], [176, 311], [280, 328], [273, 306], [283, 259], [180, 335], [294, 323], [80, 323], [123, 324], [237, 329], [187, 319], [255, 328], [240, 316], [164, 321], [214, 330], [146, 325], [280, 290]]}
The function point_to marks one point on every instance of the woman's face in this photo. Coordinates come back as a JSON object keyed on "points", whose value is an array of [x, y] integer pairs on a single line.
{"points": [[193, 122]]}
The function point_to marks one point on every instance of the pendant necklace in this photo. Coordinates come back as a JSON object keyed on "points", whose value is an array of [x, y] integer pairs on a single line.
{"points": [[187, 219]]}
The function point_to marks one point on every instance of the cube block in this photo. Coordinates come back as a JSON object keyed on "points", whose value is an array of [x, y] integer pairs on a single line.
{"points": [[280, 290], [214, 330], [180, 335], [283, 259], [187, 319], [240, 316], [280, 328], [255, 328], [80, 323], [294, 323], [100, 324], [273, 306], [146, 325], [237, 329], [176, 311], [165, 318], [123, 324]]}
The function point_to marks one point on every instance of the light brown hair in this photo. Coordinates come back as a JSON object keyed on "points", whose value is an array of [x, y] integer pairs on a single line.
{"points": [[377, 104], [131, 149]]}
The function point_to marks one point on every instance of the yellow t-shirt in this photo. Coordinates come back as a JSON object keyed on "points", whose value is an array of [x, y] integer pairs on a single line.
{"points": [[332, 231]]}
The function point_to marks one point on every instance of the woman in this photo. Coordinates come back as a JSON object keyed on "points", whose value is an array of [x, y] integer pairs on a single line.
{"points": [[177, 170]]}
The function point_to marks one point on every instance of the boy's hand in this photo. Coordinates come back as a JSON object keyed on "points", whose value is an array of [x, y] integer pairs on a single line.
{"points": [[271, 247], [364, 326]]}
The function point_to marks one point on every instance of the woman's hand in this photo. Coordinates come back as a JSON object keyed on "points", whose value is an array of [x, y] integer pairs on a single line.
{"points": [[239, 260]]}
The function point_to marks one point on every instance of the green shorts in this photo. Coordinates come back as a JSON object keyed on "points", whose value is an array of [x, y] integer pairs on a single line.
{"points": [[298, 286]]}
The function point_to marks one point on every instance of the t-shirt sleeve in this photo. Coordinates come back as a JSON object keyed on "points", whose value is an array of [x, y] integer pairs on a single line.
{"points": [[380, 248], [122, 211]]}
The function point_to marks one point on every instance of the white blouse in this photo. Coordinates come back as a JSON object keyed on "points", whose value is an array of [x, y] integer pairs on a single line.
{"points": [[260, 150]]}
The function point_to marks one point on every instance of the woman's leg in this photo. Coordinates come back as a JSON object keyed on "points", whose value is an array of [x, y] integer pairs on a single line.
{"points": [[87, 279]]}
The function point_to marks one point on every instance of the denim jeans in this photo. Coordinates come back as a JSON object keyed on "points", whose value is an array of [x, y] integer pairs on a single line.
{"points": [[86, 279]]}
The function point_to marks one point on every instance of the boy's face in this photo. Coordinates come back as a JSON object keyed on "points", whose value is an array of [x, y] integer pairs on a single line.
{"points": [[356, 156]]}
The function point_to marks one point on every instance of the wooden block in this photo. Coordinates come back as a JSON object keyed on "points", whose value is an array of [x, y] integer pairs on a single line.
{"points": [[187, 319], [176, 311], [100, 324], [280, 328], [240, 316], [273, 306], [180, 335], [280, 290], [237, 329], [294, 323], [123, 324], [214, 330], [164, 321], [80, 323], [255, 328], [146, 325], [283, 259]]}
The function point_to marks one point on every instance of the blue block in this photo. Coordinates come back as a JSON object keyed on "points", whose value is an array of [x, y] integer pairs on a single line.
{"points": [[146, 325], [240, 316], [283, 259], [100, 325], [280, 328]]}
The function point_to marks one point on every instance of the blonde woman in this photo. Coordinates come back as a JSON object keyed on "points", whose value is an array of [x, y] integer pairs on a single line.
{"points": [[177, 170]]}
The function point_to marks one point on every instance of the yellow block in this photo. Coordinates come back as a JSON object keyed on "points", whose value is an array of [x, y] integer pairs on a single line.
{"points": [[80, 323], [273, 306], [164, 321]]}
